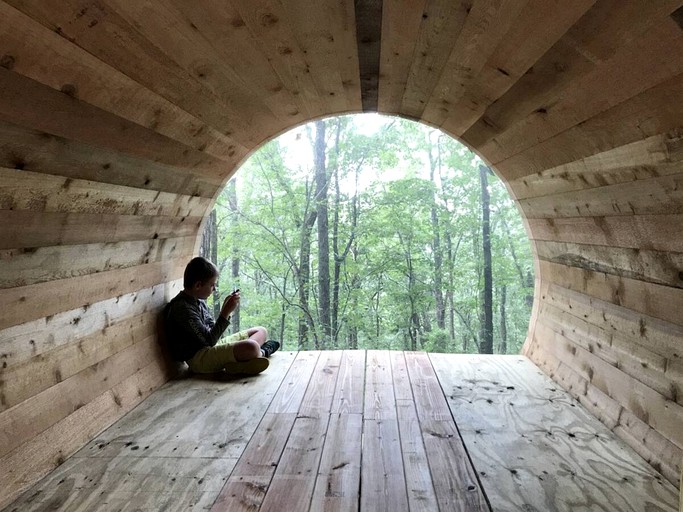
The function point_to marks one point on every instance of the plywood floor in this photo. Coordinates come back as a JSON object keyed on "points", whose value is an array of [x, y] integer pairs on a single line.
{"points": [[358, 430]]}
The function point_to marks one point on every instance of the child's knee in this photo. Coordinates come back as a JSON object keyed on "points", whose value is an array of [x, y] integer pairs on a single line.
{"points": [[246, 350]]}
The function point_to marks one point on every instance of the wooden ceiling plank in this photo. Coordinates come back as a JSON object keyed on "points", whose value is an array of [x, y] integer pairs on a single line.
{"points": [[652, 232], [223, 62], [659, 155], [401, 22], [368, 41], [485, 27], [344, 34], [165, 28], [540, 24], [104, 33], [35, 151], [278, 43], [26, 190], [311, 23], [29, 103], [594, 39], [625, 123], [635, 67], [660, 195], [25, 228], [27, 45], [442, 22]]}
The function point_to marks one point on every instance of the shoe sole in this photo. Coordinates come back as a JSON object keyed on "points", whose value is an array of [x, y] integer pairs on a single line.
{"points": [[252, 367]]}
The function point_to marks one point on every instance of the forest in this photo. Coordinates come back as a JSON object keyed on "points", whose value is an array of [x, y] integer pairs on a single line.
{"points": [[372, 232]]}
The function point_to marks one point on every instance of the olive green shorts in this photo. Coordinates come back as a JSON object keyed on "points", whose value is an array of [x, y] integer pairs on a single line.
{"points": [[213, 359]]}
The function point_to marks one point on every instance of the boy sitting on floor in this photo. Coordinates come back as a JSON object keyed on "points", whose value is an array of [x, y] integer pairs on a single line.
{"points": [[193, 335]]}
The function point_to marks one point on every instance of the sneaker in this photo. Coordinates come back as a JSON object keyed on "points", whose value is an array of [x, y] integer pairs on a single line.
{"points": [[269, 347], [251, 367]]}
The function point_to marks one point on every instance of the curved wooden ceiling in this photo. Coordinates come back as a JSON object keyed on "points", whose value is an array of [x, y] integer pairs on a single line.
{"points": [[120, 120]]}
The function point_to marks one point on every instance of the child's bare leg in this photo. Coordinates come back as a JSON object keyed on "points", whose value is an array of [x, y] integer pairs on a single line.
{"points": [[250, 348]]}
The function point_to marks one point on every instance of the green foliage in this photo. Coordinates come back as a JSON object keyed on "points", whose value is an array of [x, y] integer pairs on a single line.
{"points": [[402, 197]]}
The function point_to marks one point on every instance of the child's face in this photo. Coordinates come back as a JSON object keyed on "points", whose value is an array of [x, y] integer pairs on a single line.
{"points": [[203, 290]]}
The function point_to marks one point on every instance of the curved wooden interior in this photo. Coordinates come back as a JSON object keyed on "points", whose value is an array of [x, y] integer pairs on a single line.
{"points": [[121, 120]]}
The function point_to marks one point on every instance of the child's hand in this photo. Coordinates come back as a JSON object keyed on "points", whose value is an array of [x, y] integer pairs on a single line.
{"points": [[230, 304]]}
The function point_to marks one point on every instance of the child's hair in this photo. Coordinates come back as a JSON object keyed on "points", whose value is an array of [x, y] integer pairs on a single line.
{"points": [[199, 269]]}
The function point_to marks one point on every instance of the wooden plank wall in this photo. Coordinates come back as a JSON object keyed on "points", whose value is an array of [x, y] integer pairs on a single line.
{"points": [[585, 127]]}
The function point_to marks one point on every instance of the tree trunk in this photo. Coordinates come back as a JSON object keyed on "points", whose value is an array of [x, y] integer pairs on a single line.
{"points": [[436, 243], [503, 345], [486, 336], [235, 264], [303, 278], [209, 250], [321, 188]]}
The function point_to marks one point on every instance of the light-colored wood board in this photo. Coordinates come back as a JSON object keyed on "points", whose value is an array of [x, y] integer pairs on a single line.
{"points": [[641, 264], [624, 123], [250, 85], [27, 266], [659, 155], [455, 480], [293, 482], [25, 341], [348, 395], [103, 32], [25, 303], [486, 25], [657, 336], [383, 484], [40, 192], [260, 21], [291, 393], [419, 481], [638, 296], [29, 418], [337, 485], [21, 381], [30, 44], [246, 487], [429, 398], [420, 488], [662, 414], [636, 67], [317, 401], [59, 114], [25, 465], [25, 228], [531, 457], [655, 196], [649, 444], [312, 25], [634, 360], [379, 401], [663, 455], [441, 25], [211, 416], [538, 27], [129, 483], [36, 151], [590, 46], [401, 23]]}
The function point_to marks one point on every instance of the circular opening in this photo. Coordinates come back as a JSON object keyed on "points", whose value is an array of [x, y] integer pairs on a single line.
{"points": [[373, 232]]}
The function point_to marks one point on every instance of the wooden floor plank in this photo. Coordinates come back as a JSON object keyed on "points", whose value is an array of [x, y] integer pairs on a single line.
{"points": [[295, 438], [536, 448], [419, 486], [337, 486]]}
